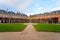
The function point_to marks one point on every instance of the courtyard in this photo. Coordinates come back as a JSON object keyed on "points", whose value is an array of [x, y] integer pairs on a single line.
{"points": [[29, 19], [29, 33]]}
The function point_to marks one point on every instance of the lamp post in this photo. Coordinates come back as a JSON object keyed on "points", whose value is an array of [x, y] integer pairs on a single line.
{"points": [[30, 18]]}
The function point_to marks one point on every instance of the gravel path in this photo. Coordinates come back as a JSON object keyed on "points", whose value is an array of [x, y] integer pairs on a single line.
{"points": [[29, 34]]}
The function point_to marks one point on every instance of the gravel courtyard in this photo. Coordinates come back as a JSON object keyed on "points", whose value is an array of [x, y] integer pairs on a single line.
{"points": [[29, 34]]}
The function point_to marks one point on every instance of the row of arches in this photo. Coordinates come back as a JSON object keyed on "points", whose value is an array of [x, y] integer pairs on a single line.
{"points": [[13, 20], [49, 20]]}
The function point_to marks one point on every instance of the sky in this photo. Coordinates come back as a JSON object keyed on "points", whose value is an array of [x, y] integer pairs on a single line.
{"points": [[30, 7]]}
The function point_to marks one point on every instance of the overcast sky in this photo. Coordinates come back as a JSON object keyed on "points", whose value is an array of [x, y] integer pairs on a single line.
{"points": [[30, 6]]}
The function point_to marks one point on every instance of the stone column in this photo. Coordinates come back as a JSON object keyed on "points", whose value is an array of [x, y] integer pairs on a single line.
{"points": [[58, 19]]}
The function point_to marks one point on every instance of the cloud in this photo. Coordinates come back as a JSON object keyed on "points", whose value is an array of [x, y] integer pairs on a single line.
{"points": [[25, 4], [57, 2], [56, 8], [7, 2], [57, 5], [21, 4], [39, 9]]}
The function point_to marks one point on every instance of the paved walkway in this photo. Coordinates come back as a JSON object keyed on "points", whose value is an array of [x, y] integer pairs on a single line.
{"points": [[29, 34]]}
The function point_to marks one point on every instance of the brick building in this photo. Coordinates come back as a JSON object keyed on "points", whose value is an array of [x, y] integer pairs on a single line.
{"points": [[12, 17], [47, 17]]}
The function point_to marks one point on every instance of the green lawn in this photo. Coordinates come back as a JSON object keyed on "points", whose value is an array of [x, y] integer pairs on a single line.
{"points": [[47, 27], [12, 27]]}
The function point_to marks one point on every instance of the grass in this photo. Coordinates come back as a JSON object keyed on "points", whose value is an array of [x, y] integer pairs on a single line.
{"points": [[12, 27], [47, 27]]}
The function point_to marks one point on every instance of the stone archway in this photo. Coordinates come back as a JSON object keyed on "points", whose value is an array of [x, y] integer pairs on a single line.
{"points": [[53, 20]]}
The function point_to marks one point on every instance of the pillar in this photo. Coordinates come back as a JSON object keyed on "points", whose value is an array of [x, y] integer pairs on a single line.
{"points": [[58, 19]]}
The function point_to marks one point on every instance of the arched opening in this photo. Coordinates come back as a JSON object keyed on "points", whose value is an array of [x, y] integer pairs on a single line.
{"points": [[53, 20]]}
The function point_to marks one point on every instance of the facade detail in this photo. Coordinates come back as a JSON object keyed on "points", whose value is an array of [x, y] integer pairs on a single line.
{"points": [[12, 17], [52, 17]]}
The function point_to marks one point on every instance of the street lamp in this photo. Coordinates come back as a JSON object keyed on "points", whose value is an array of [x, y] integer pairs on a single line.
{"points": [[30, 18]]}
